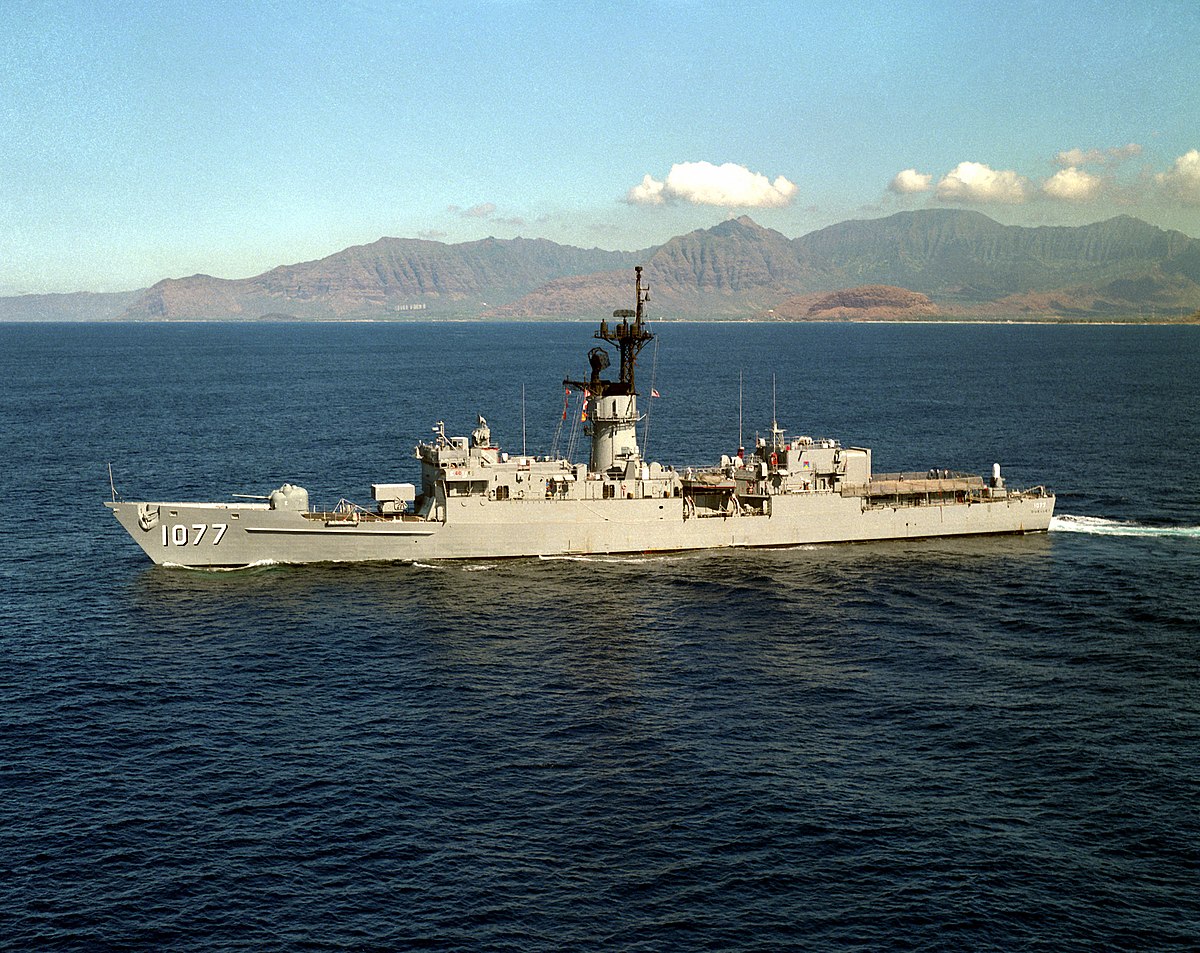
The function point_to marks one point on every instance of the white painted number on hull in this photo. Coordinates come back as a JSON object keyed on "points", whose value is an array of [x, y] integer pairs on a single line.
{"points": [[178, 534]]}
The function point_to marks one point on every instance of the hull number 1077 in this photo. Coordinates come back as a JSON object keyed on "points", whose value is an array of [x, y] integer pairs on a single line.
{"points": [[181, 534]]}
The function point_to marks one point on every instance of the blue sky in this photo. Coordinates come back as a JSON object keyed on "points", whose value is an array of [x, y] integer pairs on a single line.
{"points": [[147, 140]]}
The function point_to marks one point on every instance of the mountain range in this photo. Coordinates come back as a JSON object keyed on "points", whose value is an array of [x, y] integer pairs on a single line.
{"points": [[924, 264]]}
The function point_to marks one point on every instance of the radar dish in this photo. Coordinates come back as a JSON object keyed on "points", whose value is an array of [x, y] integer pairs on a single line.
{"points": [[598, 358]]}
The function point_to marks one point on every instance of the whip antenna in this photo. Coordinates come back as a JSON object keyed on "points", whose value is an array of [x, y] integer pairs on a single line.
{"points": [[650, 406]]}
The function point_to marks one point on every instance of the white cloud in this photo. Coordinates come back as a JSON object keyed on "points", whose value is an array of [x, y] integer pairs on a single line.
{"points": [[485, 210], [650, 192], [702, 183], [1111, 156], [1121, 153], [1069, 157], [909, 181], [1182, 181], [1072, 185], [975, 182]]}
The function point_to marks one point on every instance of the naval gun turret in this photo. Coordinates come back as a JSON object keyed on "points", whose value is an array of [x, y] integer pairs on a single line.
{"points": [[611, 406]]}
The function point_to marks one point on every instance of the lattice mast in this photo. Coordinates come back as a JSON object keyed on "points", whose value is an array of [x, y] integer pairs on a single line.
{"points": [[612, 405]]}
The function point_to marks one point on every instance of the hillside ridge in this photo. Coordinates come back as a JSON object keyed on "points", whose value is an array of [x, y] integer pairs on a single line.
{"points": [[962, 263]]}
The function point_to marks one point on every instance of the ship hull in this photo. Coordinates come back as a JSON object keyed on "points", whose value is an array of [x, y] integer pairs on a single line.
{"points": [[224, 535]]}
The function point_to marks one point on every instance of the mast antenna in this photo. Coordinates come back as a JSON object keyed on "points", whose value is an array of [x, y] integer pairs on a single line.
{"points": [[650, 406], [740, 444], [776, 431]]}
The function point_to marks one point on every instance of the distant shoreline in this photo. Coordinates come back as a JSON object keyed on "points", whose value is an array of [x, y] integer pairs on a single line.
{"points": [[275, 322]]}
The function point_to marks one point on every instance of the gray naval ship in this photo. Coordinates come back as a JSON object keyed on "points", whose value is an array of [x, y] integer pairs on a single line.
{"points": [[477, 502]]}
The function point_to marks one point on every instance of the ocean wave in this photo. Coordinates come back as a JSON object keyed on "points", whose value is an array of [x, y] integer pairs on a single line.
{"points": [[257, 564], [625, 559], [1099, 526], [569, 559]]}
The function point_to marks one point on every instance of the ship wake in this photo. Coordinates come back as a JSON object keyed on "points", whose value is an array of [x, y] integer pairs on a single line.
{"points": [[624, 559], [257, 564], [1099, 526]]}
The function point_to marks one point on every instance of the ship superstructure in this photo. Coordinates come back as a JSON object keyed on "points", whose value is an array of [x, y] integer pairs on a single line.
{"points": [[476, 501]]}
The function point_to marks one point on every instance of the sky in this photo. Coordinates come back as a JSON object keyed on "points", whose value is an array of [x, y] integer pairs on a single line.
{"points": [[146, 140]]}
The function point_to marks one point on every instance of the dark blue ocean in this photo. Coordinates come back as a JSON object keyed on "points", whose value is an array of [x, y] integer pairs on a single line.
{"points": [[981, 744]]}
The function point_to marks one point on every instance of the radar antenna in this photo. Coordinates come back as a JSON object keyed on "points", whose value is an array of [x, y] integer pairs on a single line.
{"points": [[598, 359], [612, 423], [629, 338]]}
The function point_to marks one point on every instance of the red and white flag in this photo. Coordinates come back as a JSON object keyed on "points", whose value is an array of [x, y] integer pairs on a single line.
{"points": [[654, 393]]}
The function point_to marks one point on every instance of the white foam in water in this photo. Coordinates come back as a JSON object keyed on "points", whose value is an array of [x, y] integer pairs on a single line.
{"points": [[1099, 526], [257, 564], [616, 558], [569, 559]]}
